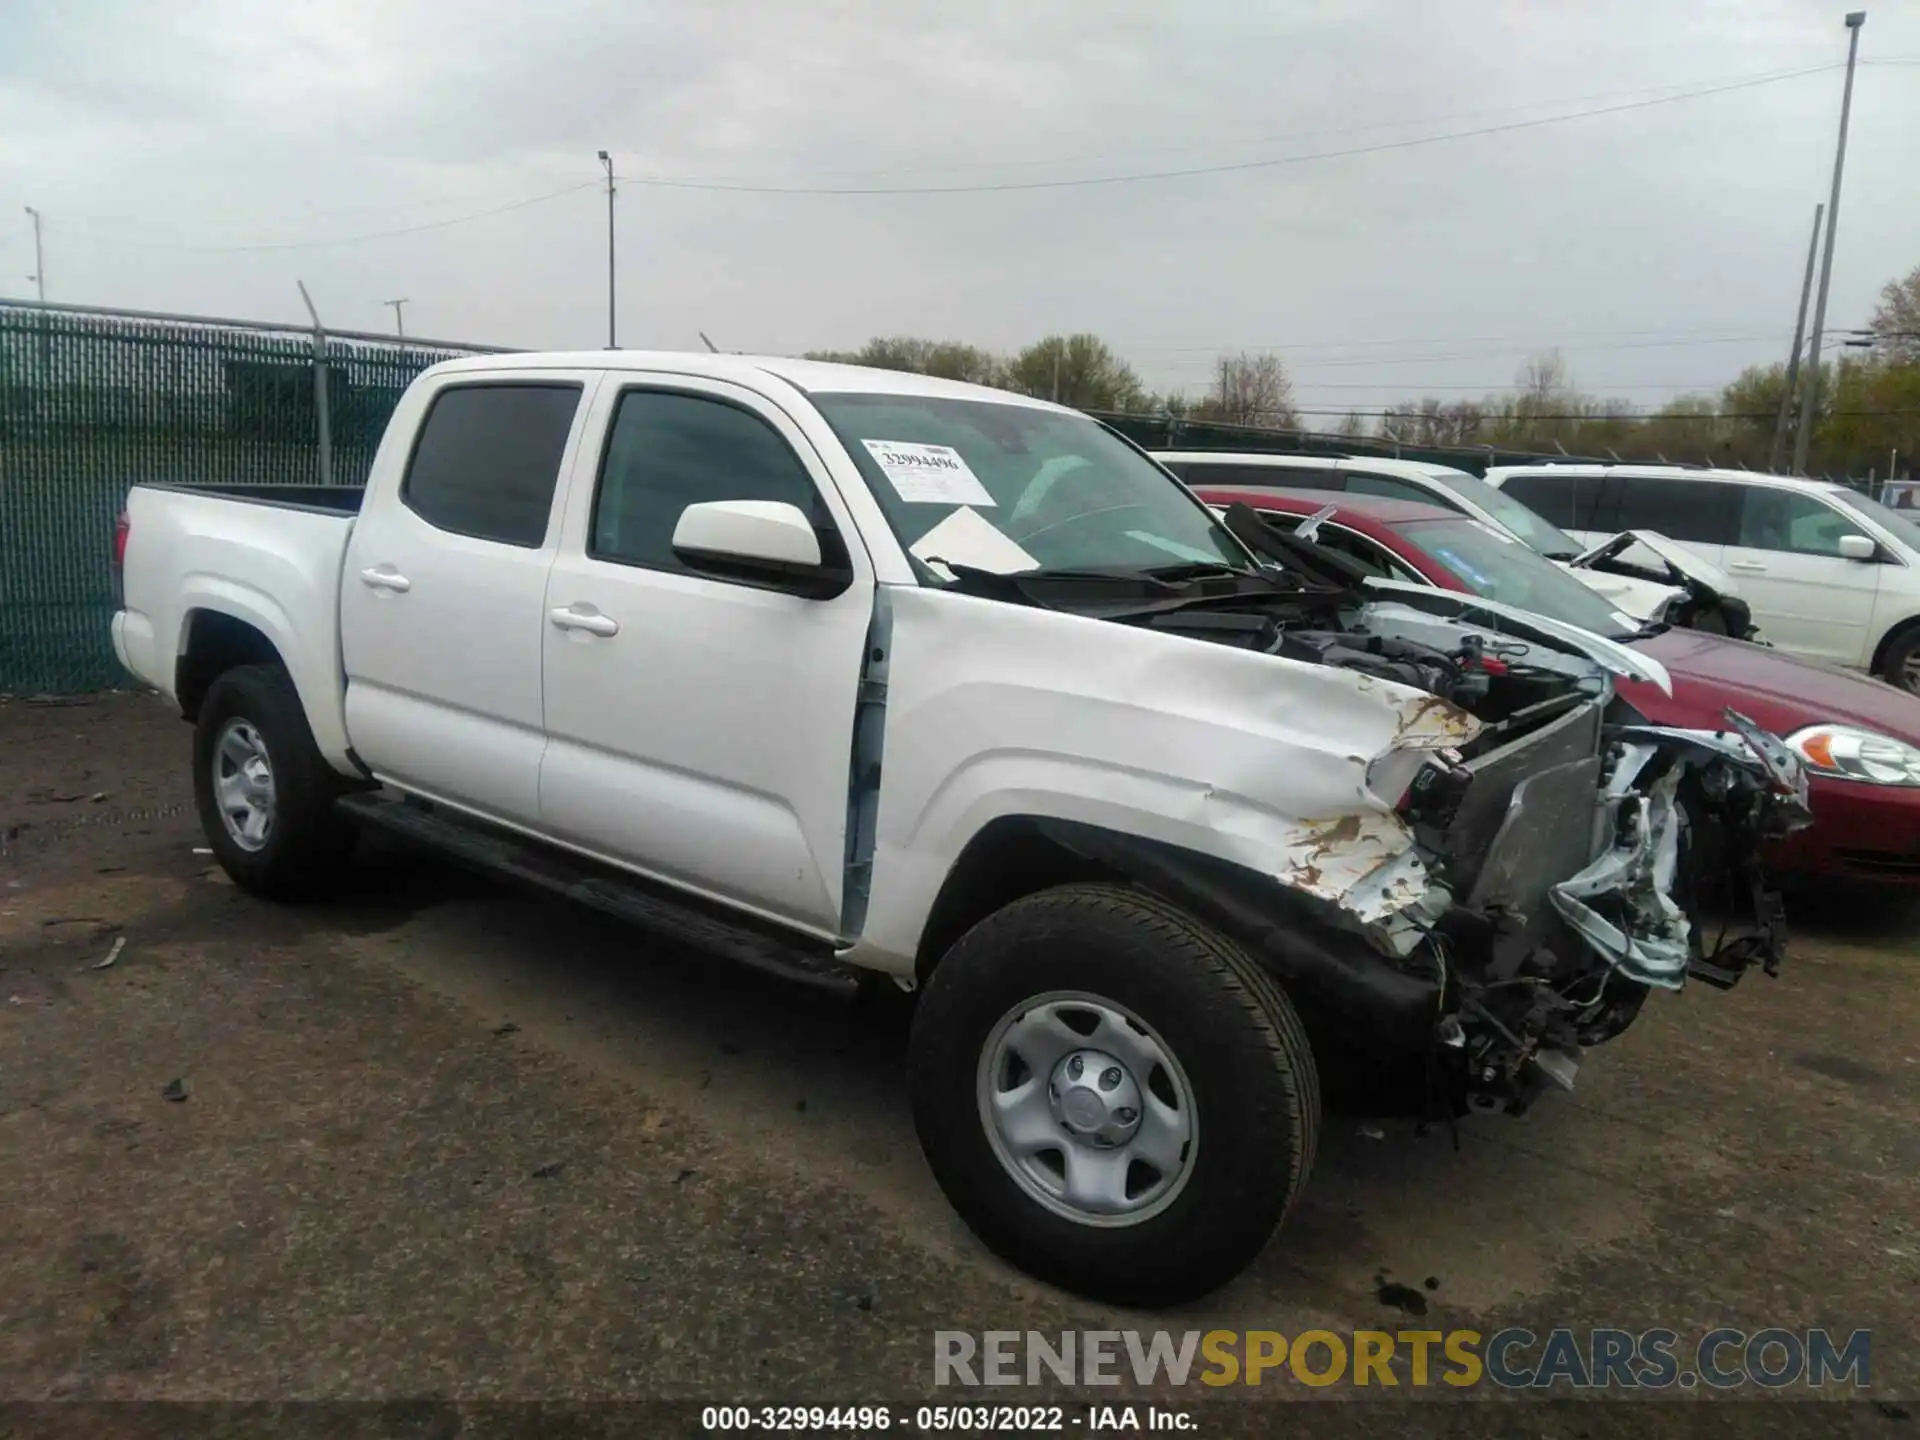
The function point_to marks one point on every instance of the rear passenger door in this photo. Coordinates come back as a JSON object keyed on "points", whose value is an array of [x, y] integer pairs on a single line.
{"points": [[1805, 596], [441, 615]]}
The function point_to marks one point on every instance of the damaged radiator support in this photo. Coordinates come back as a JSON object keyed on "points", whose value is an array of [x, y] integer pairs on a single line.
{"points": [[1540, 967]]}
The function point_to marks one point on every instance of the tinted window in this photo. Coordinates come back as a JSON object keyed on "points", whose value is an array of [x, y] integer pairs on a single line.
{"points": [[1899, 521], [1490, 564], [668, 451], [1785, 520], [1701, 511], [487, 460], [1388, 488], [1263, 477], [1566, 500]]}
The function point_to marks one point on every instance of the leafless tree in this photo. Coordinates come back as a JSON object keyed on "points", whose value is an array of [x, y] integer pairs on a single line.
{"points": [[1251, 389]]}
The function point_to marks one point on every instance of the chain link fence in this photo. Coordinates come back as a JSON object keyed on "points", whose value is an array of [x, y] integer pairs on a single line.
{"points": [[93, 401]]}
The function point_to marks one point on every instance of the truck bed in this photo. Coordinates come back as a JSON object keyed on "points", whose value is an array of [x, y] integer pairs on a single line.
{"points": [[268, 556], [327, 499]]}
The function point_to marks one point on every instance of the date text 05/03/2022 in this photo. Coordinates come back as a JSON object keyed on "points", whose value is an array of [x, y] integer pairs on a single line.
{"points": [[943, 1419]]}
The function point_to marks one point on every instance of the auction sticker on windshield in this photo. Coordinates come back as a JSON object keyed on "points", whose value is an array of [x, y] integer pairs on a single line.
{"points": [[927, 474]]}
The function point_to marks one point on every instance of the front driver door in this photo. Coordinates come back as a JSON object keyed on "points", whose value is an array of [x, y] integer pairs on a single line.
{"points": [[700, 728], [1805, 595]]}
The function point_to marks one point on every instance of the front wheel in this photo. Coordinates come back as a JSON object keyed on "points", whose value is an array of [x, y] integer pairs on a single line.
{"points": [[265, 793], [1901, 666], [1115, 1097]]}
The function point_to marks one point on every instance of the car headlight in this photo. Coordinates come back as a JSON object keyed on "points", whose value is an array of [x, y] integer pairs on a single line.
{"points": [[1855, 754]]}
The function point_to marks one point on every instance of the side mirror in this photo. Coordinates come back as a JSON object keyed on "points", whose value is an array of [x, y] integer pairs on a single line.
{"points": [[1858, 547], [763, 542]]}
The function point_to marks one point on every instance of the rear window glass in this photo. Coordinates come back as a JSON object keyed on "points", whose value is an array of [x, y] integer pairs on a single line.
{"points": [[488, 458], [1565, 500], [1704, 512], [1262, 477]]}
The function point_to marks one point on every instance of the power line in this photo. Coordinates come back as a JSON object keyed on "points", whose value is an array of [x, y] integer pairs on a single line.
{"points": [[742, 187], [1083, 157], [1500, 387], [1492, 417], [371, 235], [1678, 337], [1081, 182]]}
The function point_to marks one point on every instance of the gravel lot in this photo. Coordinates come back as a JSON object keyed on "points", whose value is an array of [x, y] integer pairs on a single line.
{"points": [[444, 1140]]}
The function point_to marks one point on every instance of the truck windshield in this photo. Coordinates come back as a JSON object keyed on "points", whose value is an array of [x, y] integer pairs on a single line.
{"points": [[1491, 565], [1015, 488]]}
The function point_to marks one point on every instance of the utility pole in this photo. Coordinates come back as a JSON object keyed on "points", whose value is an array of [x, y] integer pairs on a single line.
{"points": [[1793, 355], [1808, 401], [39, 276], [322, 389], [607, 161], [399, 320], [1056, 370]]}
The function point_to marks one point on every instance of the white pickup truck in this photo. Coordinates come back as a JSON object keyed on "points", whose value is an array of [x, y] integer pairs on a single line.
{"points": [[860, 674]]}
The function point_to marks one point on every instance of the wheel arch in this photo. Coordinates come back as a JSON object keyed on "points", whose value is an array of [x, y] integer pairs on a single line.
{"points": [[1896, 632], [213, 642], [1324, 962]]}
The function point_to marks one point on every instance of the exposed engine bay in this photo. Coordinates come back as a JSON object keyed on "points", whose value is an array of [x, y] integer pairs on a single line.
{"points": [[1559, 864]]}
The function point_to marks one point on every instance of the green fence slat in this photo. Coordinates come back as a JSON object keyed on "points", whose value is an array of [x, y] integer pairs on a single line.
{"points": [[92, 402]]}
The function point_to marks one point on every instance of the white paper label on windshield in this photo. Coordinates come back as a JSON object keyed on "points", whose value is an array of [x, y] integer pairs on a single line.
{"points": [[927, 474], [966, 537]]}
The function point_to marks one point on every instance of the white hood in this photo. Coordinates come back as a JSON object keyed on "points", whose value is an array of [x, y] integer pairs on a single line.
{"points": [[1684, 564]]}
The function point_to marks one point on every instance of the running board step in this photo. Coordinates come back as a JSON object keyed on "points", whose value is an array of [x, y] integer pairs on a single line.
{"points": [[658, 909]]}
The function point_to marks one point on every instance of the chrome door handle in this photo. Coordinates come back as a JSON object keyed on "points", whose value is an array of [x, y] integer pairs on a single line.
{"points": [[384, 578], [590, 621], [1747, 567]]}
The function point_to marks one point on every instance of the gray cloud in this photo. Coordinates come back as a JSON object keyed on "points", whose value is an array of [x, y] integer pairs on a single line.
{"points": [[153, 135]]}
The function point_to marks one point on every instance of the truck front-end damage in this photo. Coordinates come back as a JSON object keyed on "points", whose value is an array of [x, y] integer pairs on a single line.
{"points": [[1586, 864], [1526, 887], [1500, 884], [1553, 867]]}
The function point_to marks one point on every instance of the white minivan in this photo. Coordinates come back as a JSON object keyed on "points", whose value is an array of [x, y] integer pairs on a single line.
{"points": [[1828, 572]]}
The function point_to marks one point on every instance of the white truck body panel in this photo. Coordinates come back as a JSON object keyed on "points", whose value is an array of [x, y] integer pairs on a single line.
{"points": [[275, 568], [995, 710]]}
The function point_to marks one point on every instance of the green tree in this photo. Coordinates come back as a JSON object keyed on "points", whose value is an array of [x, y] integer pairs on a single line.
{"points": [[1077, 370], [1873, 421], [1896, 320], [947, 359]]}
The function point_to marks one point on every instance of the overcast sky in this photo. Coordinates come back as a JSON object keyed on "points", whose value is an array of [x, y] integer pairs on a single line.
{"points": [[172, 146]]}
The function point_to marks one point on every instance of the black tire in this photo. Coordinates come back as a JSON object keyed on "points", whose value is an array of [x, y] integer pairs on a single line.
{"points": [[1255, 1091], [308, 846], [1902, 651]]}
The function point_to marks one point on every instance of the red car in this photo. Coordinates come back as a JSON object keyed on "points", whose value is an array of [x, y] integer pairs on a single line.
{"points": [[1859, 737]]}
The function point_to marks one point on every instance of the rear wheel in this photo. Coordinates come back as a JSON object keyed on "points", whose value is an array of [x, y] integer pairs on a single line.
{"points": [[265, 794], [1116, 1097], [1901, 665]]}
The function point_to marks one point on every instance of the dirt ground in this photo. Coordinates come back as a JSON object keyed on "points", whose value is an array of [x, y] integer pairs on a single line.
{"points": [[444, 1141]]}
